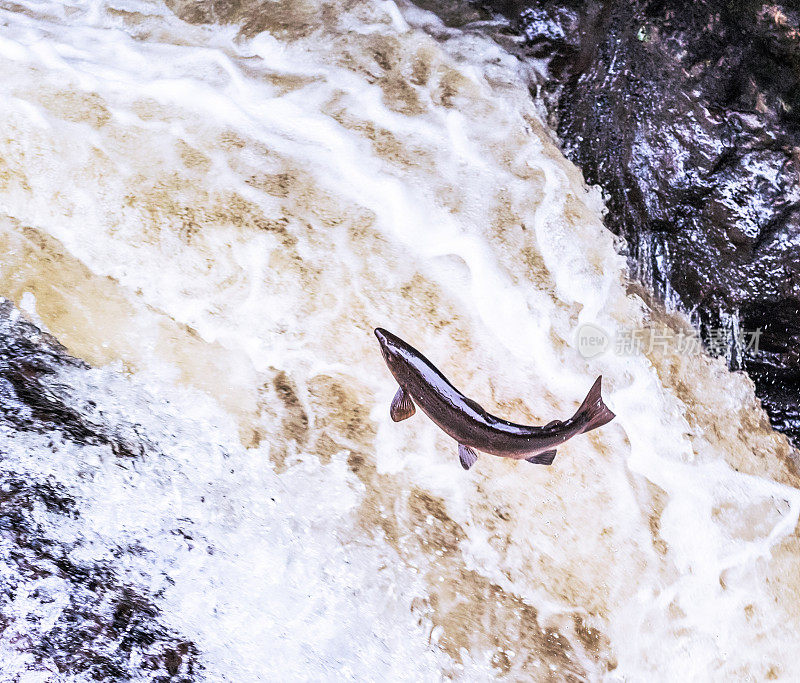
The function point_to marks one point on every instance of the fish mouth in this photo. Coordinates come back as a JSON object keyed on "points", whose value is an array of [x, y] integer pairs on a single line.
{"points": [[383, 340]]}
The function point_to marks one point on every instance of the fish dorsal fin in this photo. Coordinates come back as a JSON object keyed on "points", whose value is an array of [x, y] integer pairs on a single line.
{"points": [[467, 456], [545, 458], [477, 407], [402, 406]]}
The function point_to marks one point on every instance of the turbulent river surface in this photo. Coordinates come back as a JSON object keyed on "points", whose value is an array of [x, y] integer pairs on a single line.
{"points": [[204, 211]]}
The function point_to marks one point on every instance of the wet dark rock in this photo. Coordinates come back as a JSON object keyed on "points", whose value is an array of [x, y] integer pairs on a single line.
{"points": [[105, 627], [82, 616], [34, 396], [688, 116]]}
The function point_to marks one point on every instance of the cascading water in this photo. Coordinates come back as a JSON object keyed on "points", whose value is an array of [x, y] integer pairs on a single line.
{"points": [[214, 217]]}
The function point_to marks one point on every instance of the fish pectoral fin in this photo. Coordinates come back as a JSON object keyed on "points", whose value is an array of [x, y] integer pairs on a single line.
{"points": [[467, 456], [554, 423], [545, 458], [402, 406]]}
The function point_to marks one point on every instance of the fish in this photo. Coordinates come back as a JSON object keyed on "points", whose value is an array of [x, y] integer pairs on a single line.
{"points": [[422, 384]]}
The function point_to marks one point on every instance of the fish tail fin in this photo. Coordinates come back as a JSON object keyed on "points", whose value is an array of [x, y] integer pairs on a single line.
{"points": [[593, 412]]}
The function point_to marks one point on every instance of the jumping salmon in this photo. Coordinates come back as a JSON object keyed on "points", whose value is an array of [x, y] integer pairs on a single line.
{"points": [[421, 383]]}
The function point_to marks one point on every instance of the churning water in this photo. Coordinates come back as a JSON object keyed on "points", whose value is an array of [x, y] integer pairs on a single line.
{"points": [[214, 216]]}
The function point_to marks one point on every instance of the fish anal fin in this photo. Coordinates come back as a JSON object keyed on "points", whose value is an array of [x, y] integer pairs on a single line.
{"points": [[467, 456], [545, 458], [402, 406]]}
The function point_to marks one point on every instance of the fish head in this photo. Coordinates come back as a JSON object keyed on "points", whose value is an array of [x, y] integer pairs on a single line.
{"points": [[393, 350]]}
